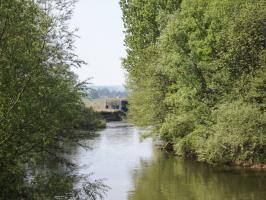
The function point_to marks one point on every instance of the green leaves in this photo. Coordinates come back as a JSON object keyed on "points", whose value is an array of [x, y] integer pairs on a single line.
{"points": [[205, 54], [40, 98], [239, 132]]}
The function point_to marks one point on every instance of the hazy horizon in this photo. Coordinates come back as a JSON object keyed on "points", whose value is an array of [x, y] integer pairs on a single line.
{"points": [[101, 41]]}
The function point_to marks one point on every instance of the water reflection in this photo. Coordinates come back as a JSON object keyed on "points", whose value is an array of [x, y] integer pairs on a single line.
{"points": [[136, 170], [115, 153], [168, 178]]}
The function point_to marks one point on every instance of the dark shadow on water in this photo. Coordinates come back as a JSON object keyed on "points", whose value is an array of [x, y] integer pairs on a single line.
{"points": [[138, 170], [166, 177]]}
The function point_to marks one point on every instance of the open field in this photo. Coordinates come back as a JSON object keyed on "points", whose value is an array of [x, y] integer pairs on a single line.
{"points": [[98, 105], [108, 114]]}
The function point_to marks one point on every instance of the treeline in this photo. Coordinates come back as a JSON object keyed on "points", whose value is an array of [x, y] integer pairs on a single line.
{"points": [[103, 93], [197, 74], [40, 101]]}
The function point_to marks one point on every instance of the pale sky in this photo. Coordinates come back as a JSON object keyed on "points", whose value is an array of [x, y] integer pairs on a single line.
{"points": [[101, 41]]}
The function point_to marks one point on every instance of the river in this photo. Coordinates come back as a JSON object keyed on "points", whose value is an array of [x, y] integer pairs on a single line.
{"points": [[138, 170]]}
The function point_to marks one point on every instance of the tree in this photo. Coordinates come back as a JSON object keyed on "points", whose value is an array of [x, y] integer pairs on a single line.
{"points": [[40, 97], [198, 56]]}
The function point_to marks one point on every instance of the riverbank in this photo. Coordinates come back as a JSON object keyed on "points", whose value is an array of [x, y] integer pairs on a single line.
{"points": [[112, 116], [169, 148], [108, 114], [258, 166]]}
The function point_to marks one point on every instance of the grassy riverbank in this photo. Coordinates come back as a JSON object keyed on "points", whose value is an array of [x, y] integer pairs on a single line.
{"points": [[99, 106]]}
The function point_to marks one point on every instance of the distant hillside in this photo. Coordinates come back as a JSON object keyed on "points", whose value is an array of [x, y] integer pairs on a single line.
{"points": [[119, 88], [103, 92]]}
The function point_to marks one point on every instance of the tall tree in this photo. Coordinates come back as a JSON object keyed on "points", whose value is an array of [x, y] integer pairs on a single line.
{"points": [[40, 97], [202, 63]]}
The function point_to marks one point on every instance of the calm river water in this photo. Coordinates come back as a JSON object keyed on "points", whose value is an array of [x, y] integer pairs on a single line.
{"points": [[137, 170]]}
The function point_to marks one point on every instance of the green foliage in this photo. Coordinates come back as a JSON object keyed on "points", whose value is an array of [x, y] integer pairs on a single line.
{"points": [[203, 65], [238, 134], [40, 97]]}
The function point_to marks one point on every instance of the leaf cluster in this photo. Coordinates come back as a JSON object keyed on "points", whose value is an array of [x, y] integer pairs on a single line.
{"points": [[40, 97], [200, 79]]}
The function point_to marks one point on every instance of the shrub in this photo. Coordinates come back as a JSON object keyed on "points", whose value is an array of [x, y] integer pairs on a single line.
{"points": [[238, 134]]}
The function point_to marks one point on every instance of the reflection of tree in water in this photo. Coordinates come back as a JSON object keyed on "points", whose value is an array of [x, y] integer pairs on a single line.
{"points": [[54, 176], [61, 185], [166, 177]]}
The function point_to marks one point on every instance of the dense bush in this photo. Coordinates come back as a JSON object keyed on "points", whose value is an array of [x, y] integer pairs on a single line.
{"points": [[40, 97], [197, 75], [238, 134]]}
